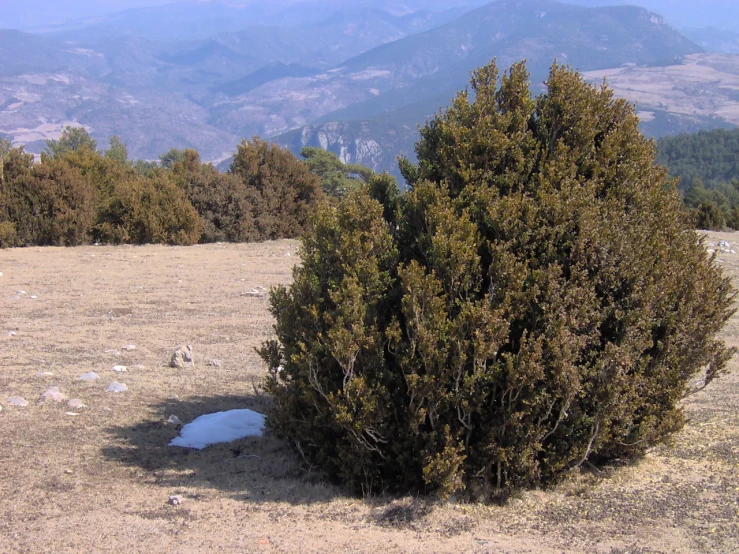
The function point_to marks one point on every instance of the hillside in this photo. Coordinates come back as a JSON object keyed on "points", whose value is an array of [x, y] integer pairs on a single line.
{"points": [[359, 80]]}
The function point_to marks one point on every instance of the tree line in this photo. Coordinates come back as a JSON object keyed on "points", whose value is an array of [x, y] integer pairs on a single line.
{"points": [[707, 164], [77, 194]]}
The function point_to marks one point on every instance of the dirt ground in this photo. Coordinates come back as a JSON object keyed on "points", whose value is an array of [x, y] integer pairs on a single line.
{"points": [[100, 481], [699, 85]]}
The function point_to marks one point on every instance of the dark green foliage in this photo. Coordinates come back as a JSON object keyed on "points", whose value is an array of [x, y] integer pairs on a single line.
{"points": [[50, 203], [281, 189], [224, 203], [117, 151], [709, 216], [337, 178], [153, 210], [711, 157], [78, 194], [173, 156], [72, 139], [707, 163], [536, 301]]}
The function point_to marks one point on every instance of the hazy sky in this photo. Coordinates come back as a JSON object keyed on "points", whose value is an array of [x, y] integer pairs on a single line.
{"points": [[36, 13]]}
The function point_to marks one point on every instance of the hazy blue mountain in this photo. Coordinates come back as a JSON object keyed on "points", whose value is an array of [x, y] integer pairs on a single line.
{"points": [[720, 14], [192, 20], [431, 66], [712, 39], [356, 78], [22, 53]]}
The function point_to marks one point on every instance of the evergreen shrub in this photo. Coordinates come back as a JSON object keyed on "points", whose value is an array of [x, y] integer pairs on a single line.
{"points": [[536, 301], [46, 204], [143, 210]]}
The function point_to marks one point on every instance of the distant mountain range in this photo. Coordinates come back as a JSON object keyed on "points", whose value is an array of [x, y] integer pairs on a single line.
{"points": [[357, 81]]}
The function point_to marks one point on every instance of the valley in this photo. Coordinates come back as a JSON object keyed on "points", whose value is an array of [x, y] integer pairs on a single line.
{"points": [[357, 80]]}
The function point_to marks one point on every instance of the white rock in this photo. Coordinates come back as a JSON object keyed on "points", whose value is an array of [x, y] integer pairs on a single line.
{"points": [[12, 334], [33, 297], [76, 404], [129, 348], [181, 356], [174, 420], [119, 368], [71, 413], [175, 500], [17, 401], [21, 292], [117, 387], [44, 374], [91, 376], [253, 293], [53, 394]]}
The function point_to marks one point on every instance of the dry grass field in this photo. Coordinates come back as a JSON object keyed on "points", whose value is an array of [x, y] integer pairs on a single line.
{"points": [[100, 481]]}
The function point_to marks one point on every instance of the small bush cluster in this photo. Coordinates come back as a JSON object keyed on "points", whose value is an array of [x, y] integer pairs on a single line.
{"points": [[536, 301], [76, 195]]}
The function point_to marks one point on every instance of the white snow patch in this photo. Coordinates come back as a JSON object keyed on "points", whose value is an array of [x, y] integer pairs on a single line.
{"points": [[220, 427]]}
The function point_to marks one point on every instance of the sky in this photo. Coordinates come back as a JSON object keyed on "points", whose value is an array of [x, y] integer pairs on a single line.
{"points": [[29, 14]]}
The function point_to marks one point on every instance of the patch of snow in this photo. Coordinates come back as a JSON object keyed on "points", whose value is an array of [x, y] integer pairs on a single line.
{"points": [[220, 427]]}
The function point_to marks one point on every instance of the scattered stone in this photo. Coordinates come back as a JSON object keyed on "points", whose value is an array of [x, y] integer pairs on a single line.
{"points": [[215, 363], [44, 374], [1, 407], [21, 292], [117, 387], [175, 500], [33, 297], [17, 401], [53, 394], [181, 356], [129, 347], [71, 413], [1, 274], [255, 292], [174, 420], [91, 376], [76, 404], [12, 334], [287, 254], [119, 368]]}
